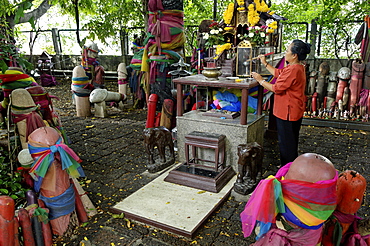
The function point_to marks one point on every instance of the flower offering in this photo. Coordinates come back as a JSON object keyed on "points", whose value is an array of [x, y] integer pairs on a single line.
{"points": [[215, 36]]}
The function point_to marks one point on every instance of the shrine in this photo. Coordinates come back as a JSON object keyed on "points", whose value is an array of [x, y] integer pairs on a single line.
{"points": [[179, 149], [217, 110]]}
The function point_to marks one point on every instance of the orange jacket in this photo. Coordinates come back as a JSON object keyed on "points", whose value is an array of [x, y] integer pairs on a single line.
{"points": [[289, 90]]}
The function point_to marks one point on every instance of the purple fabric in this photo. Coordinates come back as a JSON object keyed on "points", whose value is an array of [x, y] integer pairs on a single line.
{"points": [[363, 97], [295, 237], [122, 81], [152, 73], [47, 80], [155, 5], [354, 239], [345, 218]]}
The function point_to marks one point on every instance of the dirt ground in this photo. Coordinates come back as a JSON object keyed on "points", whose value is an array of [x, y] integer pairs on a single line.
{"points": [[114, 162]]}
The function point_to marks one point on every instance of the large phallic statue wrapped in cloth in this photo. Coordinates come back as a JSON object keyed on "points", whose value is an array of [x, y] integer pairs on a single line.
{"points": [[25, 114], [90, 63], [291, 207], [81, 89], [164, 47], [13, 78], [54, 166], [344, 227]]}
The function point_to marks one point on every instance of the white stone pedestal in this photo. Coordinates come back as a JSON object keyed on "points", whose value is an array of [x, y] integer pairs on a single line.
{"points": [[235, 133]]}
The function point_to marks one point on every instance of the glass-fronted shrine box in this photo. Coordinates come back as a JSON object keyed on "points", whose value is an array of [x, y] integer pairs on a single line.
{"points": [[201, 80]]}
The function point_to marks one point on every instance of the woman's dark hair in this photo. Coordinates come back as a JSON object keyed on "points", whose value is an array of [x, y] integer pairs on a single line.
{"points": [[301, 49]]}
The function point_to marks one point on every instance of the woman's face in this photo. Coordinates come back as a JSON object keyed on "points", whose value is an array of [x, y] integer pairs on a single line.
{"points": [[289, 56]]}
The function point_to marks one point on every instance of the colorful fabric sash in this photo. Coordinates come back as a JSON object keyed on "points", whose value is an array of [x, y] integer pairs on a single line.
{"points": [[13, 79], [81, 86], [311, 203], [60, 205], [44, 157]]}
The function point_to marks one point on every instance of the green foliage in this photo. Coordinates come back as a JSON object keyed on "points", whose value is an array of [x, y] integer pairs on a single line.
{"points": [[338, 22], [8, 50], [5, 8], [11, 183]]}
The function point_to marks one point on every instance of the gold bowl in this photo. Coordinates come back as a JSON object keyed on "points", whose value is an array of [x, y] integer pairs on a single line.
{"points": [[212, 73]]}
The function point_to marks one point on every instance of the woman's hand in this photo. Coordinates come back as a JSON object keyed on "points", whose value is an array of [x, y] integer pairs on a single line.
{"points": [[263, 59], [257, 76]]}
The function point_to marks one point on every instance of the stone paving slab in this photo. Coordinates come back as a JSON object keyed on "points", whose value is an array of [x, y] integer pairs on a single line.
{"points": [[175, 208]]}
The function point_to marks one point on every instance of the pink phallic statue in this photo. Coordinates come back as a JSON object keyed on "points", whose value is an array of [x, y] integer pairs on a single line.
{"points": [[294, 204], [55, 163], [355, 86]]}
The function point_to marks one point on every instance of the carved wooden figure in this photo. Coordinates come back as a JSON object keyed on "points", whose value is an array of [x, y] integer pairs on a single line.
{"points": [[249, 167], [25, 114], [322, 83], [355, 86], [100, 96], [81, 90], [331, 90], [344, 74], [161, 138], [312, 83]]}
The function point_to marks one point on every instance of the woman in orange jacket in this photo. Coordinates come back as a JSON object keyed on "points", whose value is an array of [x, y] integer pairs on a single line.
{"points": [[289, 90]]}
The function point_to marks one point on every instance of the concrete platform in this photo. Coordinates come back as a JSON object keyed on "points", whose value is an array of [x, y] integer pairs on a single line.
{"points": [[235, 133], [172, 207]]}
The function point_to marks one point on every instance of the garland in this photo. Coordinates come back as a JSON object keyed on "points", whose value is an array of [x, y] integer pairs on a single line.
{"points": [[272, 25], [228, 14], [240, 2], [261, 6], [253, 16], [221, 48]]}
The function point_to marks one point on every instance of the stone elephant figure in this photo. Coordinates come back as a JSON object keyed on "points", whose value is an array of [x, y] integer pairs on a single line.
{"points": [[249, 162], [159, 137]]}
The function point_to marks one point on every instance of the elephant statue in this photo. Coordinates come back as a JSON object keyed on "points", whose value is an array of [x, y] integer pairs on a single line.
{"points": [[159, 137], [249, 167]]}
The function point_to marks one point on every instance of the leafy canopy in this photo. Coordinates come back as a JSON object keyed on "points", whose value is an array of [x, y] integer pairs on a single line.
{"points": [[338, 22]]}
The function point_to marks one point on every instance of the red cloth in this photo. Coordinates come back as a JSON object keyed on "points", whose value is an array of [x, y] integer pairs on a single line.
{"points": [[12, 77], [33, 121], [289, 92]]}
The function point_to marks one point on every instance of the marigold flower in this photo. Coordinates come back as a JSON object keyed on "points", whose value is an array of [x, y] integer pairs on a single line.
{"points": [[228, 14]]}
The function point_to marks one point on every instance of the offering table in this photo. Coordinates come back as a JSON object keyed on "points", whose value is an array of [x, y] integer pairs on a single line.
{"points": [[246, 129], [201, 80]]}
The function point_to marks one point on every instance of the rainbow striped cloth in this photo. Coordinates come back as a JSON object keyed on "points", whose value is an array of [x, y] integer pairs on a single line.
{"points": [[305, 204], [44, 157]]}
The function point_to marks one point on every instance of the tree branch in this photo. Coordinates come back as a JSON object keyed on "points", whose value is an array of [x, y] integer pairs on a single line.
{"points": [[36, 13]]}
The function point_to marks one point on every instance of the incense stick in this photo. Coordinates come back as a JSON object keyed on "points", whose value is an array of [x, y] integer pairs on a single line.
{"points": [[254, 58]]}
